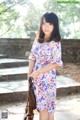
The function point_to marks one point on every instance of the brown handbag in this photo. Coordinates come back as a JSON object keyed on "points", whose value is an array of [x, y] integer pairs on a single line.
{"points": [[30, 102]]}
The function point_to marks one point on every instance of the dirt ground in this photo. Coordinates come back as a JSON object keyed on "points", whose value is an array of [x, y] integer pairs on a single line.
{"points": [[70, 70]]}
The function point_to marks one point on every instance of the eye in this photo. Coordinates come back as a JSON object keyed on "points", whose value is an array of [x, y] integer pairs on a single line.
{"points": [[50, 23]]}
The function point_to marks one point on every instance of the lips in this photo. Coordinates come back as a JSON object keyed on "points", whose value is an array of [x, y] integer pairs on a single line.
{"points": [[46, 30]]}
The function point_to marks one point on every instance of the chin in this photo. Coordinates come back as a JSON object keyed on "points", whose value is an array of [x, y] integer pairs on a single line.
{"points": [[47, 33]]}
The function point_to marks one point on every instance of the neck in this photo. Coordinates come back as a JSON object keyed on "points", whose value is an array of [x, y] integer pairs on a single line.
{"points": [[46, 38]]}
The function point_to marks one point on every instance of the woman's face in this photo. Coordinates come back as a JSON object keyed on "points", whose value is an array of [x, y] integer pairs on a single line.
{"points": [[47, 28]]}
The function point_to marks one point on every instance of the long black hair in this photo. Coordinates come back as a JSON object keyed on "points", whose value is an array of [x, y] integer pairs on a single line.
{"points": [[51, 18]]}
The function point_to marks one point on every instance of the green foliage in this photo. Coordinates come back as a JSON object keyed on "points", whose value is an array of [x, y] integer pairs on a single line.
{"points": [[76, 35], [8, 16], [32, 18], [68, 14]]}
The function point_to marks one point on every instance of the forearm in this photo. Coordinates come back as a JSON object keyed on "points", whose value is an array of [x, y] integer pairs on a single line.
{"points": [[31, 66], [48, 67]]}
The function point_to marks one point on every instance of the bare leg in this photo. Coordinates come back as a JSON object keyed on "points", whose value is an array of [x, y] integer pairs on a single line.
{"points": [[43, 115], [51, 116]]}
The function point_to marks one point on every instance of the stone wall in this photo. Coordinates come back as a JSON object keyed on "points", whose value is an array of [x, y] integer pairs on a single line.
{"points": [[71, 50], [20, 48], [15, 47]]}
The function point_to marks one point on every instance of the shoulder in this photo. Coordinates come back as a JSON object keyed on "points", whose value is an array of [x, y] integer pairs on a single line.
{"points": [[35, 41], [58, 43], [55, 45]]}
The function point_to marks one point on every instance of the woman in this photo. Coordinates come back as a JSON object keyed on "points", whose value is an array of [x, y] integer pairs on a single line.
{"points": [[44, 58]]}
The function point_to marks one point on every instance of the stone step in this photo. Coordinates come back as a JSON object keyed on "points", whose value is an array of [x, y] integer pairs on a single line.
{"points": [[10, 63], [3, 56], [17, 73], [17, 90]]}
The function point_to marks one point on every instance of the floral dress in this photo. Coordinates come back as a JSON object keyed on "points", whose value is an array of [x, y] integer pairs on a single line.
{"points": [[45, 86]]}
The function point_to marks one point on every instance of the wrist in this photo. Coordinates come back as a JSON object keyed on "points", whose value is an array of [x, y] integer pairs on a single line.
{"points": [[39, 72]]}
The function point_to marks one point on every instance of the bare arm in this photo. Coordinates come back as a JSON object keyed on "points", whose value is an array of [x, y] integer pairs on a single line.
{"points": [[44, 69], [31, 66], [47, 68]]}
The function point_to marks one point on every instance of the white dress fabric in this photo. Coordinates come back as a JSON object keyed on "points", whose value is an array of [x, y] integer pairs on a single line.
{"points": [[45, 86]]}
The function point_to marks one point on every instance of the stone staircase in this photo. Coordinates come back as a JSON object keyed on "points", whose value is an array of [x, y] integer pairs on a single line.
{"points": [[13, 80], [11, 63]]}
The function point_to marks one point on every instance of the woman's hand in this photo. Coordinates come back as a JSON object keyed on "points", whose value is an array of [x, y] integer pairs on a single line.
{"points": [[34, 74]]}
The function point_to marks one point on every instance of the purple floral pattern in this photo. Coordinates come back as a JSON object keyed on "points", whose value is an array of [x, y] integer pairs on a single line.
{"points": [[45, 86]]}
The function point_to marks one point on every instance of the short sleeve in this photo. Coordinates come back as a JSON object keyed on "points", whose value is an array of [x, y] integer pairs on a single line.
{"points": [[57, 54], [32, 53]]}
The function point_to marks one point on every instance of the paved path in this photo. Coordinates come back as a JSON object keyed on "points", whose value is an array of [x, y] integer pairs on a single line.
{"points": [[67, 108], [10, 86]]}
